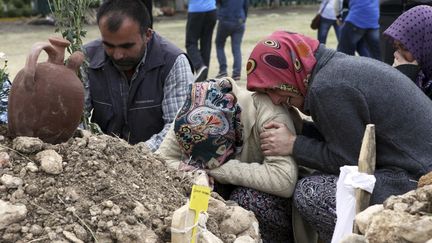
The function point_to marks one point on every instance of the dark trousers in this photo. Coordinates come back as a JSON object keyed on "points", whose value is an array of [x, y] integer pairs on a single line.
{"points": [[199, 29], [324, 27], [387, 50], [149, 6], [235, 30], [351, 36]]}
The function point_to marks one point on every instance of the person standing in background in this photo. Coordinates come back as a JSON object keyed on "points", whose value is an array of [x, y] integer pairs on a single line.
{"points": [[232, 16], [389, 12], [199, 28], [328, 19], [411, 37], [361, 24], [149, 6]]}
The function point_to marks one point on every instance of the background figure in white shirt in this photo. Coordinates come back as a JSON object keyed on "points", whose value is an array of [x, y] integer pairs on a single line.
{"points": [[328, 19]]}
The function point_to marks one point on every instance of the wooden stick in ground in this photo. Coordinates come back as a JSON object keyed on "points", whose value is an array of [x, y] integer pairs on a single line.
{"points": [[366, 164]]}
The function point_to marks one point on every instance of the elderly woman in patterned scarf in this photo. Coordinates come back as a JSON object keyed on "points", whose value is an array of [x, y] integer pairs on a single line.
{"points": [[411, 34], [218, 130], [342, 94]]}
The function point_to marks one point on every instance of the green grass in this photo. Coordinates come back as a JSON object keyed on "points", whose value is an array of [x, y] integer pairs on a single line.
{"points": [[17, 37]]}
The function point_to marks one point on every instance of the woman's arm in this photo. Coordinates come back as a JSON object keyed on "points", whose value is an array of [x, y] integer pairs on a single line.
{"points": [[275, 175]]}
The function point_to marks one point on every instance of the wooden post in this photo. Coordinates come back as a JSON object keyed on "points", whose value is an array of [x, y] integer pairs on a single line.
{"points": [[366, 164]]}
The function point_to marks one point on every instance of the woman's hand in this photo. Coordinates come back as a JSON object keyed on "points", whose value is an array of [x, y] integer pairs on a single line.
{"points": [[277, 139], [200, 176], [185, 167]]}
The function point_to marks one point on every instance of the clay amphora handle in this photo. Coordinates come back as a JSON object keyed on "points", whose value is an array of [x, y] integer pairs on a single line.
{"points": [[55, 52], [75, 61]]}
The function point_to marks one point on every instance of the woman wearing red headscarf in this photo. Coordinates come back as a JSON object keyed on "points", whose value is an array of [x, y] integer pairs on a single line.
{"points": [[342, 94]]}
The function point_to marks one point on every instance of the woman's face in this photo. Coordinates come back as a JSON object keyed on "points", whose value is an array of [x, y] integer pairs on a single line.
{"points": [[285, 98], [403, 51]]}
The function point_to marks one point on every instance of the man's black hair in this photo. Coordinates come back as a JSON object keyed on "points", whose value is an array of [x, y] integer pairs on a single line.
{"points": [[117, 10]]}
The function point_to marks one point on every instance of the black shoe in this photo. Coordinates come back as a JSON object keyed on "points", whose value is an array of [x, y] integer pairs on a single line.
{"points": [[201, 74], [221, 75]]}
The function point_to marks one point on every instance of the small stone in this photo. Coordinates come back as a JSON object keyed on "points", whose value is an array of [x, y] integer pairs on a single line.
{"points": [[72, 237], [10, 237], [27, 145], [28, 237], [109, 224], [71, 194], [59, 230], [68, 227], [32, 167], [23, 172], [49, 182], [31, 190], [100, 173], [108, 212], [108, 204], [101, 224], [13, 228], [52, 236], [71, 209], [140, 211], [131, 220], [25, 229], [80, 232], [4, 160], [36, 230], [401, 207], [93, 219], [116, 210], [18, 194], [11, 213], [95, 210], [11, 181], [425, 180], [50, 161], [353, 238]]}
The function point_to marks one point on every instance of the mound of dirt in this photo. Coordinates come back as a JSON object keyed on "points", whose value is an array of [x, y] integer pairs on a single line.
{"points": [[101, 190]]}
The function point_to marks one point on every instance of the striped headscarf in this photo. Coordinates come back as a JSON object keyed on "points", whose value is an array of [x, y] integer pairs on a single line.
{"points": [[283, 60]]}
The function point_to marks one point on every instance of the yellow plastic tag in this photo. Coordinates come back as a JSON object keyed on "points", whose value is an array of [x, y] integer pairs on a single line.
{"points": [[199, 199]]}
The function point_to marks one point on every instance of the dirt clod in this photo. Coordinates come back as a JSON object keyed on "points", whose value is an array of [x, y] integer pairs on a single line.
{"points": [[108, 191]]}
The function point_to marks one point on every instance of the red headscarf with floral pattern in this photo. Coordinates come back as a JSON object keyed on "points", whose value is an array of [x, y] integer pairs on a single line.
{"points": [[284, 61]]}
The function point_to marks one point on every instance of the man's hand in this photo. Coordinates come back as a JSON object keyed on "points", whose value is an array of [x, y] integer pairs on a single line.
{"points": [[277, 139], [400, 60]]}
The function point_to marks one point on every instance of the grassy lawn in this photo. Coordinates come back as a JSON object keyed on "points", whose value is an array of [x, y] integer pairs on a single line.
{"points": [[18, 37]]}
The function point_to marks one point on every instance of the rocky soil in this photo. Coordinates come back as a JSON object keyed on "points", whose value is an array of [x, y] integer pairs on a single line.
{"points": [[89, 189], [405, 218]]}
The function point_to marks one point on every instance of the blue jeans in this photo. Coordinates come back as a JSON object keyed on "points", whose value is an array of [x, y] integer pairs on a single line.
{"points": [[235, 30], [324, 27], [351, 36]]}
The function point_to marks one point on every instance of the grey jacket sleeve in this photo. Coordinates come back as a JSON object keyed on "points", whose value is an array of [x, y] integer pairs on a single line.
{"points": [[341, 116]]}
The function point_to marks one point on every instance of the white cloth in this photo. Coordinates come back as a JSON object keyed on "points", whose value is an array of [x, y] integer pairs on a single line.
{"points": [[328, 12], [349, 180]]}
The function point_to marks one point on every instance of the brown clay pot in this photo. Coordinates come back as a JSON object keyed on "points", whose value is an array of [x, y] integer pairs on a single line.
{"points": [[47, 99]]}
